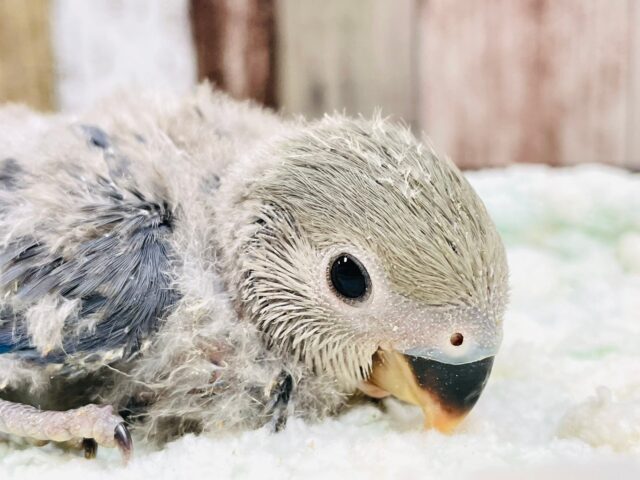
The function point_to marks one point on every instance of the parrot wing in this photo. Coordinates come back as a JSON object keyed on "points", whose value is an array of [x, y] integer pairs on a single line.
{"points": [[102, 273]]}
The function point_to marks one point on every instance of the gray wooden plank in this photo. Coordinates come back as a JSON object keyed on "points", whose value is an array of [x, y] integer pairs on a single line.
{"points": [[354, 55]]}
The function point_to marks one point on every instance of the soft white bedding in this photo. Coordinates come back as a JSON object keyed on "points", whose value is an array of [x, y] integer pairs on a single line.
{"points": [[564, 398]]}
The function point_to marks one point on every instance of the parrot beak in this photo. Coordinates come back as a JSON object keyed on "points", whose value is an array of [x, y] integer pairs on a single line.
{"points": [[444, 392]]}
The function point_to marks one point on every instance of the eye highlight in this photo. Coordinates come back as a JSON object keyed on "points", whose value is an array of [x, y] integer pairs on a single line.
{"points": [[348, 277]]}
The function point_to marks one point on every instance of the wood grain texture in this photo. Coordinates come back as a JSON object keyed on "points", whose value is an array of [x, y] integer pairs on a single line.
{"points": [[354, 55], [235, 44], [26, 63], [633, 100], [527, 81]]}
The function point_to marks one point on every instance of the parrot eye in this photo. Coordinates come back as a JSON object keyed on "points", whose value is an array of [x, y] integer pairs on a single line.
{"points": [[349, 278]]}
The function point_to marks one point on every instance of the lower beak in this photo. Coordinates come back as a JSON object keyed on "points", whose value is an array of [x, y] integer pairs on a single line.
{"points": [[446, 393]]}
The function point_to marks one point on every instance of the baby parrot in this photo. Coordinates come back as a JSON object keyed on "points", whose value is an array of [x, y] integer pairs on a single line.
{"points": [[201, 264]]}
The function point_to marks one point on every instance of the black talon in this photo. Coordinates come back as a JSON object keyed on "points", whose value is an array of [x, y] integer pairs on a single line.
{"points": [[279, 404], [123, 441], [90, 447]]}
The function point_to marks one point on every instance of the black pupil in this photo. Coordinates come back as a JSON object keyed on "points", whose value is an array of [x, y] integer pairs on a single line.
{"points": [[348, 277]]}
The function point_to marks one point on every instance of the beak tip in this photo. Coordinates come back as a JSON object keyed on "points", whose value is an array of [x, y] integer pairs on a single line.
{"points": [[438, 418]]}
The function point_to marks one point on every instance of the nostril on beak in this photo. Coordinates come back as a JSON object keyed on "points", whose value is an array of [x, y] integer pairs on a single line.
{"points": [[456, 339]]}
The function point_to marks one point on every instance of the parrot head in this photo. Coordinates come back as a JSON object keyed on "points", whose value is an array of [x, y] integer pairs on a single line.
{"points": [[367, 257]]}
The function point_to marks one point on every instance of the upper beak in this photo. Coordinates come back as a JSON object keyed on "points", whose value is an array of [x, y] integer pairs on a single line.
{"points": [[445, 392]]}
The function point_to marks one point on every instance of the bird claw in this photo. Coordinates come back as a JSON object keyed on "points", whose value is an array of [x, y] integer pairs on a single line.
{"points": [[94, 424], [123, 441], [90, 448], [279, 404]]}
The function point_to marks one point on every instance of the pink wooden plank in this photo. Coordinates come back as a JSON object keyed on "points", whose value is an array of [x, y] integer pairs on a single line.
{"points": [[633, 104], [525, 81]]}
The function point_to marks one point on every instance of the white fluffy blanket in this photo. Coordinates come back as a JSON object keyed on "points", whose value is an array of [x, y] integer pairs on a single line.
{"points": [[564, 398]]}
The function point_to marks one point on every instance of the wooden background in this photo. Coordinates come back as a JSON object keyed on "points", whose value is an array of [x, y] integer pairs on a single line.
{"points": [[492, 82], [26, 63]]}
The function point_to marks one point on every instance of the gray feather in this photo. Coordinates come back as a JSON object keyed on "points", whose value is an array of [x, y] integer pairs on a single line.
{"points": [[118, 271]]}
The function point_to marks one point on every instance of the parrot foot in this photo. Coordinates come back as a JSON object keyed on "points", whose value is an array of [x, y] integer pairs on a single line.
{"points": [[94, 424], [90, 447], [279, 405]]}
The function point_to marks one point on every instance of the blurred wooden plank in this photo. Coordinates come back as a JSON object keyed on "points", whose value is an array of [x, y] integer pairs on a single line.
{"points": [[526, 81], [633, 125], [355, 55], [26, 64], [235, 43]]}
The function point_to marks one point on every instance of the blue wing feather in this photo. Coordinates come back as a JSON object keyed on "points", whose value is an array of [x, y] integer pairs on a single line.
{"points": [[118, 270]]}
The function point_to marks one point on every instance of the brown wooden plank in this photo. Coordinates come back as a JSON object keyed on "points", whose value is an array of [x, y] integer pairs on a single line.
{"points": [[354, 55], [26, 65], [235, 43], [527, 81]]}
